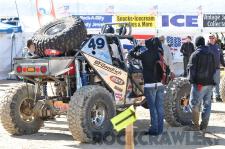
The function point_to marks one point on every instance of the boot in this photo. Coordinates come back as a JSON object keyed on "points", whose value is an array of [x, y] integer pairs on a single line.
{"points": [[203, 126], [195, 120], [218, 99]]}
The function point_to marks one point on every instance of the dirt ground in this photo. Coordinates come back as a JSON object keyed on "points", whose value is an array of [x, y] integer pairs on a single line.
{"points": [[55, 134]]}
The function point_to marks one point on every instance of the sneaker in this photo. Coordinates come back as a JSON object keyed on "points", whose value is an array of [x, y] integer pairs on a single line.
{"points": [[192, 128], [152, 133], [203, 128]]}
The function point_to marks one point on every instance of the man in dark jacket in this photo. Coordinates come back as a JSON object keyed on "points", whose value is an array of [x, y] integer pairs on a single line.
{"points": [[153, 88], [201, 68], [218, 53], [187, 49]]}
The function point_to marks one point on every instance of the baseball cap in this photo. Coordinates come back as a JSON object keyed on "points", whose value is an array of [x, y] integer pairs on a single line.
{"points": [[212, 36]]}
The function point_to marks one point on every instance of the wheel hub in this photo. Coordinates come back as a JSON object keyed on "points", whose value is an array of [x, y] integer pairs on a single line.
{"points": [[52, 30], [98, 114], [26, 110], [184, 101]]}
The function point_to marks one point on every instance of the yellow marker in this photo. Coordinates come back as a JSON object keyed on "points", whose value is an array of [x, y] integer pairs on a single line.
{"points": [[124, 119]]}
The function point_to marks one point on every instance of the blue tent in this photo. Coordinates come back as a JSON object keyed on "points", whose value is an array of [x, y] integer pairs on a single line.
{"points": [[6, 28]]}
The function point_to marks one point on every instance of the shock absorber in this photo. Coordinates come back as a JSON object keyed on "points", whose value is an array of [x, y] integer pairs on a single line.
{"points": [[84, 75], [44, 87]]}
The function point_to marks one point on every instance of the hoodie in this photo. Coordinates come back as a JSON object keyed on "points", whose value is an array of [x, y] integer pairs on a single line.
{"points": [[148, 59], [202, 66], [218, 54]]}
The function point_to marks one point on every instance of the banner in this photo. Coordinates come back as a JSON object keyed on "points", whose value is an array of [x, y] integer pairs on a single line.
{"points": [[214, 20], [95, 21], [138, 21], [180, 21]]}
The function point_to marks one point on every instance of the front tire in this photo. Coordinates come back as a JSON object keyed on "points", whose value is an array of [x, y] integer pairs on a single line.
{"points": [[16, 111], [90, 111]]}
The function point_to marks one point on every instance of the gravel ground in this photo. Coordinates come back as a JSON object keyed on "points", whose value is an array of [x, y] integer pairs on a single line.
{"points": [[55, 134]]}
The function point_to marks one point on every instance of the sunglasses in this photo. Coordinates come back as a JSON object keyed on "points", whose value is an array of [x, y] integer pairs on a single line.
{"points": [[211, 37]]}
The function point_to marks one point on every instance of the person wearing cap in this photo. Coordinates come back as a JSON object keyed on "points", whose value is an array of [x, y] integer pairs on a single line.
{"points": [[167, 56], [218, 53], [187, 49], [201, 69]]}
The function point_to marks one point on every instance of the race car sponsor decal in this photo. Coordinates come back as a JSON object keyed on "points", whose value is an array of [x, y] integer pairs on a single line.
{"points": [[107, 67], [117, 80], [118, 96], [118, 88]]}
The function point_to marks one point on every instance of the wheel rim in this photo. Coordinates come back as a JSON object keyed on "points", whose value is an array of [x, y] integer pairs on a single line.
{"points": [[98, 115], [184, 104], [26, 110], [54, 29]]}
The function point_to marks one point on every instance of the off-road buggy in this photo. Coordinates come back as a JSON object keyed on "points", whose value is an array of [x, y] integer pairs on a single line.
{"points": [[93, 73]]}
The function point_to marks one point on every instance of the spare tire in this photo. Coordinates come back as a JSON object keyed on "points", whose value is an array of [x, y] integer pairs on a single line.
{"points": [[176, 103], [65, 35]]}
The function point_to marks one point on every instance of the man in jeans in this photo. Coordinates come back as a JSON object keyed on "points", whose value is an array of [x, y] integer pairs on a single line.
{"points": [[153, 88], [218, 54], [201, 68], [187, 49]]}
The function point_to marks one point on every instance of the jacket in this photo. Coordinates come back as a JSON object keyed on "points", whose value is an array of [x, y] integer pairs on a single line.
{"points": [[218, 54], [148, 59], [202, 66], [187, 49]]}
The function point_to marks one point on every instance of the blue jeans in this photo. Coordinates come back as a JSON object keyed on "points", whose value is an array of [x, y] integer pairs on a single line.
{"points": [[155, 98], [216, 89], [203, 96]]}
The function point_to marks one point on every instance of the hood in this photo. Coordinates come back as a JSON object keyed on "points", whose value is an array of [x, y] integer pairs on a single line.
{"points": [[203, 49]]}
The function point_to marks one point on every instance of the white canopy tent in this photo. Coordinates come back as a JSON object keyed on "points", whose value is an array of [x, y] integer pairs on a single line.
{"points": [[11, 45]]}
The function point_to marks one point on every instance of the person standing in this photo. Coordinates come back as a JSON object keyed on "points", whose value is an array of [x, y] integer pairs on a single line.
{"points": [[218, 53], [201, 69], [187, 49], [29, 50], [167, 57], [153, 88]]}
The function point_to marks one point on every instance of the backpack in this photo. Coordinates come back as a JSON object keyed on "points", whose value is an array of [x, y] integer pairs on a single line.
{"points": [[161, 70]]}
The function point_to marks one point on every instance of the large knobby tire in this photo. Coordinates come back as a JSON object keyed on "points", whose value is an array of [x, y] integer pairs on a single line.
{"points": [[16, 111], [222, 89], [65, 34], [85, 114], [176, 91]]}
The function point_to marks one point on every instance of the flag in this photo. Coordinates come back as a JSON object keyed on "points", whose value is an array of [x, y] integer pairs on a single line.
{"points": [[199, 10], [153, 10], [110, 9], [174, 41]]}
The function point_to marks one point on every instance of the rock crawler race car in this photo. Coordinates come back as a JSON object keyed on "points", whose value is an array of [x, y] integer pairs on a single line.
{"points": [[93, 73]]}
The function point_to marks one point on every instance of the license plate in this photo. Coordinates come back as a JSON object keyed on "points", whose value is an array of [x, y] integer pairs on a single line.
{"points": [[30, 69]]}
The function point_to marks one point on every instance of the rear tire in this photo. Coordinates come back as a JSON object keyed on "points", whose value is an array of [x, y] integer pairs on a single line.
{"points": [[174, 112], [84, 121], [16, 111]]}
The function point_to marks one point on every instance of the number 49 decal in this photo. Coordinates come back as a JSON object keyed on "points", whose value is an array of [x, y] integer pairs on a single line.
{"points": [[98, 43]]}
